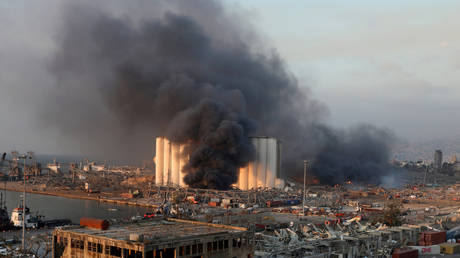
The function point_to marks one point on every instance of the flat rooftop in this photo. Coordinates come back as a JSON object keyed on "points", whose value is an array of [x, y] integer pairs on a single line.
{"points": [[156, 230]]}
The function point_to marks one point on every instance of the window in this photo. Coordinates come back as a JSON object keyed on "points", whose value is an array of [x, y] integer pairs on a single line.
{"points": [[200, 248], [187, 250], [194, 249], [226, 243], [99, 248], [237, 242], [63, 240], [78, 244], [181, 251], [221, 245], [209, 247], [214, 246], [93, 247], [149, 254], [115, 251]]}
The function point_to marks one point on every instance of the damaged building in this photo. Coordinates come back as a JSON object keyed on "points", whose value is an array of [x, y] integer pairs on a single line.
{"points": [[262, 172], [154, 238]]}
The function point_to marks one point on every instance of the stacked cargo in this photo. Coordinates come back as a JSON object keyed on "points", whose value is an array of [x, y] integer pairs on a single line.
{"points": [[432, 238], [405, 253], [450, 248]]}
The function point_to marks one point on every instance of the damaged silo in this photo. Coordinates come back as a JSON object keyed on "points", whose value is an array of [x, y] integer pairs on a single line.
{"points": [[264, 171]]}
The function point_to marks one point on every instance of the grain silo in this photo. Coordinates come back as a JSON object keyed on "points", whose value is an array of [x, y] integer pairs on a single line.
{"points": [[265, 169], [169, 161], [263, 172]]}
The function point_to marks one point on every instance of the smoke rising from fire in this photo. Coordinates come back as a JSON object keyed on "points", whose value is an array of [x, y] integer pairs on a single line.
{"points": [[195, 73]]}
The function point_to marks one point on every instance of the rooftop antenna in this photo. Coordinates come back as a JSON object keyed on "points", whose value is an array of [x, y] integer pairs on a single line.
{"points": [[4, 189]]}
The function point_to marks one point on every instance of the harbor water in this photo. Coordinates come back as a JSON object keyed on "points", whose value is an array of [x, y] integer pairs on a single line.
{"points": [[55, 207]]}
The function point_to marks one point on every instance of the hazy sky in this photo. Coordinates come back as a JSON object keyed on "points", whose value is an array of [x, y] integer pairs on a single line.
{"points": [[391, 63]]}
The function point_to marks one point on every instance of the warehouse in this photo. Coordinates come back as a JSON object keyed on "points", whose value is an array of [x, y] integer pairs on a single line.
{"points": [[263, 172], [154, 238]]}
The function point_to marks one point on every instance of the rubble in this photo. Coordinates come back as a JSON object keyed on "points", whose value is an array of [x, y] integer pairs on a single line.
{"points": [[342, 220]]}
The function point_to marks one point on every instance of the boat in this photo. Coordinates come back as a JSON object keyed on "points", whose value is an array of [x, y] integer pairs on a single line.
{"points": [[16, 218]]}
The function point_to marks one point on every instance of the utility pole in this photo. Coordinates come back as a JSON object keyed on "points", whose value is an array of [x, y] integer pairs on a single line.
{"points": [[424, 178], [304, 185], [25, 156], [24, 207]]}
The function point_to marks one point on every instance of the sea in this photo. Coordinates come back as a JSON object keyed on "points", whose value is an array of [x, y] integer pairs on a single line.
{"points": [[55, 207]]}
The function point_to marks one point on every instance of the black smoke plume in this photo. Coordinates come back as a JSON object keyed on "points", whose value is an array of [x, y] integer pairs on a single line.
{"points": [[196, 72]]}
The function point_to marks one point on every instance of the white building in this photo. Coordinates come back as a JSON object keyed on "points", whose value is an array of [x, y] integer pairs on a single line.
{"points": [[264, 171]]}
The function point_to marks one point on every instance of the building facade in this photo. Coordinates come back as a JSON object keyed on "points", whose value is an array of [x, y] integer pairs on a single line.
{"points": [[154, 238], [437, 164]]}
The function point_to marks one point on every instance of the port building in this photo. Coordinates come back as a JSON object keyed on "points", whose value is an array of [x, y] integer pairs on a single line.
{"points": [[263, 172], [154, 238]]}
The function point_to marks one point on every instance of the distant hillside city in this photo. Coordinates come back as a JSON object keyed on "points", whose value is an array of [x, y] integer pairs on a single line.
{"points": [[423, 150]]}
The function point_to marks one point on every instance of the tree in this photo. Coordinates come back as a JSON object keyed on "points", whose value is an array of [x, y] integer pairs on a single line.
{"points": [[392, 214]]}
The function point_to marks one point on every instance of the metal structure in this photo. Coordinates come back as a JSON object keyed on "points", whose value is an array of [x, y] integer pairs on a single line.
{"points": [[304, 185], [263, 172], [25, 157]]}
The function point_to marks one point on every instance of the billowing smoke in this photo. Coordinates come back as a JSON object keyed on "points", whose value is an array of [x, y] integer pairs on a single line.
{"points": [[359, 154], [195, 72]]}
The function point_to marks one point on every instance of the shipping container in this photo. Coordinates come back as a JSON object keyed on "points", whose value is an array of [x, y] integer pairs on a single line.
{"points": [[291, 202], [405, 253], [214, 204], [432, 249], [433, 237], [94, 223], [450, 248], [274, 203]]}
